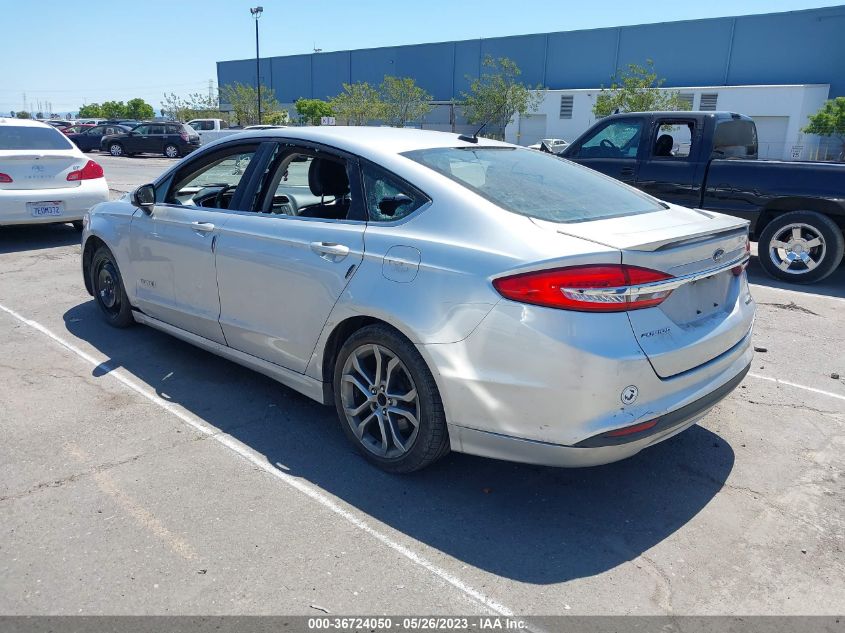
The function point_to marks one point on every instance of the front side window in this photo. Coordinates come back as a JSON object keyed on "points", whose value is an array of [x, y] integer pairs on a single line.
{"points": [[620, 139], [536, 184], [387, 197], [142, 129], [213, 183], [32, 137], [673, 140]]}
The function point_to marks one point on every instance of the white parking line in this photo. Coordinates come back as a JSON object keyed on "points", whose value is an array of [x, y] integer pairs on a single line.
{"points": [[829, 394], [256, 459]]}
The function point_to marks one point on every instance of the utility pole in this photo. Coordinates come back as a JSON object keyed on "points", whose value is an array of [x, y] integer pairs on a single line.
{"points": [[256, 13]]}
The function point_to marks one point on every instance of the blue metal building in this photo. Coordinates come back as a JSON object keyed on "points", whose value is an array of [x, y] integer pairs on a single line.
{"points": [[796, 47]]}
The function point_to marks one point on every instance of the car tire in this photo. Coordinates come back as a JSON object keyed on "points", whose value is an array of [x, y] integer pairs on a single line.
{"points": [[109, 292], [401, 390], [801, 247], [116, 149], [171, 151]]}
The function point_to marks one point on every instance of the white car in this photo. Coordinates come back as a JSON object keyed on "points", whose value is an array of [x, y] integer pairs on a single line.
{"points": [[552, 145], [44, 178]]}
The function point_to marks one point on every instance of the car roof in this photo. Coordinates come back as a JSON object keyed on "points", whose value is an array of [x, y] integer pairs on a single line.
{"points": [[23, 122], [369, 141]]}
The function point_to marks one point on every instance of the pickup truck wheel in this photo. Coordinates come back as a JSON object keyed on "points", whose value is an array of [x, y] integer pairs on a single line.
{"points": [[801, 247]]}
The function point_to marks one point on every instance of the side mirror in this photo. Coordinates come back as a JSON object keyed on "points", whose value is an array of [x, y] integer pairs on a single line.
{"points": [[390, 204], [144, 197]]}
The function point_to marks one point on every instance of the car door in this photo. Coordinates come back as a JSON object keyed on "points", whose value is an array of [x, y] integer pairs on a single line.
{"points": [[280, 270], [136, 139], [172, 246], [670, 168], [154, 142], [612, 149]]}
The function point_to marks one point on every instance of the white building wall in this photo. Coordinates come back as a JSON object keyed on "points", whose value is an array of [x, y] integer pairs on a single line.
{"points": [[777, 107]]}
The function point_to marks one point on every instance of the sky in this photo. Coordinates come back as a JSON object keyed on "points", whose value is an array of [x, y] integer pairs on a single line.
{"points": [[118, 50]]}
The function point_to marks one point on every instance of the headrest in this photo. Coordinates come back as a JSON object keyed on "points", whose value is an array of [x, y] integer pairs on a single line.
{"points": [[327, 178]]}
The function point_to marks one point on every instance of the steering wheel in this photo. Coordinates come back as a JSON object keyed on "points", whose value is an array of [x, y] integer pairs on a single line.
{"points": [[608, 144], [218, 198]]}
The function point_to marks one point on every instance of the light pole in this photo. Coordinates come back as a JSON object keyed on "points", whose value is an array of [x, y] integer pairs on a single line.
{"points": [[256, 13]]}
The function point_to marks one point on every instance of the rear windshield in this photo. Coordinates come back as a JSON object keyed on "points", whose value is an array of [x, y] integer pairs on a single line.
{"points": [[26, 137], [535, 184]]}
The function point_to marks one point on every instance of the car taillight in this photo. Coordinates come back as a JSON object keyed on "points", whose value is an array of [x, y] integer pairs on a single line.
{"points": [[91, 171], [5, 177], [183, 136], [591, 288], [737, 270]]}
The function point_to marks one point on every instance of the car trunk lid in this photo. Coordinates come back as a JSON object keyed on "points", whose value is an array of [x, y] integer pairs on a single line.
{"points": [[39, 169], [710, 310]]}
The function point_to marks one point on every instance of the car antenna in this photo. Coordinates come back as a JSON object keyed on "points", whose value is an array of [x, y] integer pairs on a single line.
{"points": [[474, 137]]}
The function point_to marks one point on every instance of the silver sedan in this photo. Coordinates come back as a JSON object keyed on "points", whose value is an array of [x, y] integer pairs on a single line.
{"points": [[442, 292]]}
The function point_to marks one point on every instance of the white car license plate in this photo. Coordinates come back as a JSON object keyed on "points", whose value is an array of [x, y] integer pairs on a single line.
{"points": [[45, 209]]}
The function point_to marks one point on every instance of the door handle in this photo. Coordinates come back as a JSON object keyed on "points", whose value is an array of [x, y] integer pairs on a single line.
{"points": [[626, 171], [330, 251], [202, 227]]}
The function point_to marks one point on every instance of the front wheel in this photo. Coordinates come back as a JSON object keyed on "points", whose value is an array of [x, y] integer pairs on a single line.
{"points": [[116, 149], [388, 402], [171, 151], [109, 292], [801, 247]]}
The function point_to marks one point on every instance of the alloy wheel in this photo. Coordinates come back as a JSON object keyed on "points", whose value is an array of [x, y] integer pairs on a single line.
{"points": [[171, 151], [116, 150], [380, 401], [107, 287], [797, 248]]}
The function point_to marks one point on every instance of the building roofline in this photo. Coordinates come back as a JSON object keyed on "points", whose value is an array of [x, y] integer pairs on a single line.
{"points": [[838, 7]]}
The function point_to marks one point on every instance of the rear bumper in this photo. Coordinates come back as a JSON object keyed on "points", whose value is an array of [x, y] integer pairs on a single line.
{"points": [[76, 200], [542, 386]]}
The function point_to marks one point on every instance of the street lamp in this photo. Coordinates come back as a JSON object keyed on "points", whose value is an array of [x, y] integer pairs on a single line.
{"points": [[256, 13]]}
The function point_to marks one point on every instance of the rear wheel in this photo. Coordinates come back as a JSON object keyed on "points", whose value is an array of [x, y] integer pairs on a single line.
{"points": [[109, 292], [116, 149], [388, 402], [801, 247], [171, 151]]}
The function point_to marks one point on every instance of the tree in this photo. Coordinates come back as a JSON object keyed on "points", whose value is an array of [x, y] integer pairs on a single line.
{"points": [[139, 109], [23, 115], [113, 110], [358, 104], [637, 89], [404, 101], [279, 117], [829, 121], [243, 100], [196, 105], [91, 110], [310, 111], [497, 95]]}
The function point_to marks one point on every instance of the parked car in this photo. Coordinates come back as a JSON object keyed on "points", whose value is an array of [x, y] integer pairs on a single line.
{"points": [[211, 129], [89, 140], [709, 160], [75, 128], [57, 123], [43, 177], [91, 121], [550, 145], [505, 302], [171, 139]]}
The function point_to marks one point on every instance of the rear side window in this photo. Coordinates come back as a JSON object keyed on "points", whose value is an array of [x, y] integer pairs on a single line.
{"points": [[735, 138], [536, 184], [26, 137], [388, 198]]}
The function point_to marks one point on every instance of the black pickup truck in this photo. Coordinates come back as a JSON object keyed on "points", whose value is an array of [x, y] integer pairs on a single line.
{"points": [[708, 160]]}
